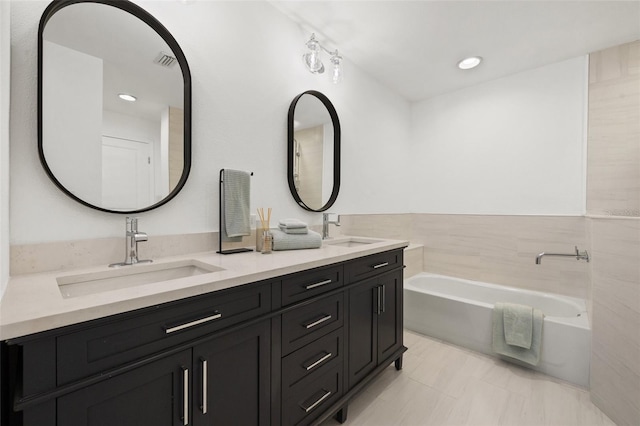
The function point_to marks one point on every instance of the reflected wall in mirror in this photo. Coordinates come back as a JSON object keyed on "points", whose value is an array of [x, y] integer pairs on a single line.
{"points": [[313, 164], [107, 150]]}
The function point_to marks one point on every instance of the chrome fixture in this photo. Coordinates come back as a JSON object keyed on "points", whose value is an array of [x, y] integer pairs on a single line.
{"points": [[326, 222], [312, 59], [578, 255], [133, 237]]}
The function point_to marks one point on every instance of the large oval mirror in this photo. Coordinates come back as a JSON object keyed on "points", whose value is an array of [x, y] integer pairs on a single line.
{"points": [[313, 166], [114, 105]]}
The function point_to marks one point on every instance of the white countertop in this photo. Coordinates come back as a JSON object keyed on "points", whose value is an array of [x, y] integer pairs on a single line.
{"points": [[33, 303]]}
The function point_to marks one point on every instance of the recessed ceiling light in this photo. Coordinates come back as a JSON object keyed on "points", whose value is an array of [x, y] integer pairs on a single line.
{"points": [[470, 62], [127, 97]]}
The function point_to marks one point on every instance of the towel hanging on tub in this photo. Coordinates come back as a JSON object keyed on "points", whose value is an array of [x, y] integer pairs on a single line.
{"points": [[523, 326]]}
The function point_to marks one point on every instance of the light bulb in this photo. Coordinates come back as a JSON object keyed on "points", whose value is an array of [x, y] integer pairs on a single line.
{"points": [[311, 58], [470, 62], [127, 97], [338, 75]]}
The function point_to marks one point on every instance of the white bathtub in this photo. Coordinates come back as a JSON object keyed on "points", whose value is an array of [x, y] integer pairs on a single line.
{"points": [[460, 311]]}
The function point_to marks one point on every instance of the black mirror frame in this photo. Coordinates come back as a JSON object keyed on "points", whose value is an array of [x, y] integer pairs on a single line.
{"points": [[336, 150], [162, 31]]}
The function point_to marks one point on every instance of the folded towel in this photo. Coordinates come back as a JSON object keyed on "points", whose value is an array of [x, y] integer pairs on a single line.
{"points": [[518, 324], [293, 230], [500, 346], [284, 241], [292, 224], [237, 191]]}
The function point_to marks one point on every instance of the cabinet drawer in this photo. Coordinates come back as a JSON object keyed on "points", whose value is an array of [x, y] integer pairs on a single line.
{"points": [[375, 264], [313, 359], [125, 338], [307, 284], [310, 398], [305, 324]]}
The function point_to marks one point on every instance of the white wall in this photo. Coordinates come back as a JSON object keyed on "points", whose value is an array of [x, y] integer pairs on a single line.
{"points": [[246, 68], [515, 145], [5, 66]]}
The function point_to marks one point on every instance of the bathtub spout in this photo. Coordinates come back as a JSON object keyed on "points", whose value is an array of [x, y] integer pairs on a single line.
{"points": [[578, 255]]}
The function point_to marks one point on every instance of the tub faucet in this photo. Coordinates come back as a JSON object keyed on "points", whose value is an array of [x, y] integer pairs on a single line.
{"points": [[326, 222], [133, 237], [578, 255]]}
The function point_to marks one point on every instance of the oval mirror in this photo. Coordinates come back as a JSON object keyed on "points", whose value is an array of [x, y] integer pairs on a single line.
{"points": [[114, 105], [313, 165]]}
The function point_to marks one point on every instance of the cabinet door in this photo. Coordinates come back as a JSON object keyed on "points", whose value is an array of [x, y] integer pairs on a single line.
{"points": [[390, 315], [232, 373], [151, 395], [363, 338]]}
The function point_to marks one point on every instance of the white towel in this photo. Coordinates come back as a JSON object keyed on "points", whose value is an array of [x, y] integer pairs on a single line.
{"points": [[237, 192], [284, 241]]}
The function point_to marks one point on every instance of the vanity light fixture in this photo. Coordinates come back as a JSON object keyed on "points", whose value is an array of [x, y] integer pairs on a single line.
{"points": [[313, 63], [127, 97], [470, 62]]}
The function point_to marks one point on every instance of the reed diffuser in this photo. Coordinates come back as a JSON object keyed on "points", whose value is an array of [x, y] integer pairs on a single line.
{"points": [[264, 239]]}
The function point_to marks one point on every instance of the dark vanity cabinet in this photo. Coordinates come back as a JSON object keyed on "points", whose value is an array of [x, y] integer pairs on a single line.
{"points": [[154, 394], [375, 326], [291, 350]]}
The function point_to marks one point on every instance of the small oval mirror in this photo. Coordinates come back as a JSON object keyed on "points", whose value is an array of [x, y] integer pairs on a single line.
{"points": [[313, 166], [114, 105]]}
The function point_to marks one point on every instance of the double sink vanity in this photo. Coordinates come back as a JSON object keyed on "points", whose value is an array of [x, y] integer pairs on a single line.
{"points": [[286, 338], [246, 339]]}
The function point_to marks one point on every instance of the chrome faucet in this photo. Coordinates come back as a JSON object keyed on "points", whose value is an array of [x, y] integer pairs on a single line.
{"points": [[133, 237], [326, 222], [578, 255]]}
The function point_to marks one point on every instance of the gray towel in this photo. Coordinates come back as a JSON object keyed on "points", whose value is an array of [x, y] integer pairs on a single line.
{"points": [[237, 192], [500, 346], [284, 241], [518, 324], [292, 224], [302, 230]]}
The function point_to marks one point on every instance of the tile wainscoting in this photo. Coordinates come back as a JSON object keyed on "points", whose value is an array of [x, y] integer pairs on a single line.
{"points": [[495, 249]]}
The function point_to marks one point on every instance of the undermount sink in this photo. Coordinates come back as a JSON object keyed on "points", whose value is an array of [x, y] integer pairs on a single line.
{"points": [[130, 276], [351, 241]]}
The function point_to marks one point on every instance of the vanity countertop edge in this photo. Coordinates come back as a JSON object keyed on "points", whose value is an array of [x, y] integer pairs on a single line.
{"points": [[33, 303]]}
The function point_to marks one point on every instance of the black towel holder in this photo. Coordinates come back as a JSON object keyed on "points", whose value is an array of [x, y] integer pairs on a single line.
{"points": [[221, 208]]}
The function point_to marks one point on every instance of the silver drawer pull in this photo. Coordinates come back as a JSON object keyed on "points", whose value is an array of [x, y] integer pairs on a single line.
{"points": [[192, 323], [380, 265], [321, 283], [320, 361], [318, 402], [185, 396], [320, 321], [205, 386]]}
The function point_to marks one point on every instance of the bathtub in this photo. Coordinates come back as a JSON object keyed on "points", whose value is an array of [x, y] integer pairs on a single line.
{"points": [[459, 311]]}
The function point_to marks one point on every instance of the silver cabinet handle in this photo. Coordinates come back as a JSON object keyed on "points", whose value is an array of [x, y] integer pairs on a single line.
{"points": [[192, 323], [315, 404], [320, 321], [384, 297], [204, 385], [318, 362], [321, 283], [185, 396], [378, 300], [380, 265]]}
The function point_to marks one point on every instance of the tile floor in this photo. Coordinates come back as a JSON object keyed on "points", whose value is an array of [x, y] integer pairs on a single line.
{"points": [[443, 384]]}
